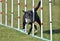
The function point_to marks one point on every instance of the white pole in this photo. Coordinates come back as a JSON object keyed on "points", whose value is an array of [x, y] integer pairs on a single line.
{"points": [[12, 13], [25, 5], [33, 18], [1, 11], [25, 10], [18, 14], [6, 12], [50, 12], [41, 19]]}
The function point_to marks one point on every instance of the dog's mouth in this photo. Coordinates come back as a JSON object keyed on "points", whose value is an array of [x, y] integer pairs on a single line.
{"points": [[27, 20]]}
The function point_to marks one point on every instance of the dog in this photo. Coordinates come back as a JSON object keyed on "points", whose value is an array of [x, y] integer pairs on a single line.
{"points": [[28, 18]]}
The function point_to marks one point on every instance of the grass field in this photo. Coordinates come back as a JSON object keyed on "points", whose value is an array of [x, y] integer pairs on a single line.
{"points": [[7, 34]]}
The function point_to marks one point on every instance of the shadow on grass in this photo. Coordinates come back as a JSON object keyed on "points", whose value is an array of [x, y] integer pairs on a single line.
{"points": [[54, 31]]}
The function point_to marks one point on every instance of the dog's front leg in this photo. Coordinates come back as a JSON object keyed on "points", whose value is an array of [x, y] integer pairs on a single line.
{"points": [[24, 24], [30, 29]]}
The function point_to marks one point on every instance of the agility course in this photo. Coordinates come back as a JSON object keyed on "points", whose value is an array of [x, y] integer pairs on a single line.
{"points": [[18, 18]]}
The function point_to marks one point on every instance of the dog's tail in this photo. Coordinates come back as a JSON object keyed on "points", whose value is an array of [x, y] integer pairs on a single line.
{"points": [[36, 8]]}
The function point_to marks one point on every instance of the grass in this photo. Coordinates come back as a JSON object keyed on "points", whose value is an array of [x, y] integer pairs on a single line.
{"points": [[7, 34], [18, 36]]}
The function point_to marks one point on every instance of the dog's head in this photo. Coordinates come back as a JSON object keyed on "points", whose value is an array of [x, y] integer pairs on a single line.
{"points": [[28, 16]]}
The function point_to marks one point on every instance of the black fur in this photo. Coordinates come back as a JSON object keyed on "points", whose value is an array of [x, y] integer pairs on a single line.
{"points": [[29, 16]]}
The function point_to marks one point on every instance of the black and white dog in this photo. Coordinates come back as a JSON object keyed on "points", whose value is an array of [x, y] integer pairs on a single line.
{"points": [[28, 17]]}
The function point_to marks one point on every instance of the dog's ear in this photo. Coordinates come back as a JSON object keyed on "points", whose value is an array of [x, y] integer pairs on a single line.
{"points": [[24, 11]]}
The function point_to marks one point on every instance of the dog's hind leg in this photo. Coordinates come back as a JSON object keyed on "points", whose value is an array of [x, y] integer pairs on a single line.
{"points": [[38, 21]]}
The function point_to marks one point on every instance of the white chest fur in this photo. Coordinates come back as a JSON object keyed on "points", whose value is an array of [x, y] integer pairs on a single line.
{"points": [[27, 20]]}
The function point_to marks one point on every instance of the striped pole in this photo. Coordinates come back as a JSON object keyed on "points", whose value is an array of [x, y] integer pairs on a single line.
{"points": [[12, 13], [50, 12], [6, 12], [41, 19], [18, 14], [25, 5], [33, 17], [1, 11], [25, 10]]}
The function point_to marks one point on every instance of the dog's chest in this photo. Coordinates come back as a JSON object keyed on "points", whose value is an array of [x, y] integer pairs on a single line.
{"points": [[27, 20]]}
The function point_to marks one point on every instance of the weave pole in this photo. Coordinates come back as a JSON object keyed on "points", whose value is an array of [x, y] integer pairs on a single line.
{"points": [[18, 14], [6, 12], [41, 18], [25, 10], [25, 5], [1, 11], [33, 17], [50, 13], [12, 13]]}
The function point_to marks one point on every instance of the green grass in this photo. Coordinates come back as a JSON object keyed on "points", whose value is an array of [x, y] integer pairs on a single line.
{"points": [[7, 34], [20, 36]]}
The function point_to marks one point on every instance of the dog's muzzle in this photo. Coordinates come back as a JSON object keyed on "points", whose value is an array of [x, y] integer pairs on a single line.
{"points": [[27, 20]]}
